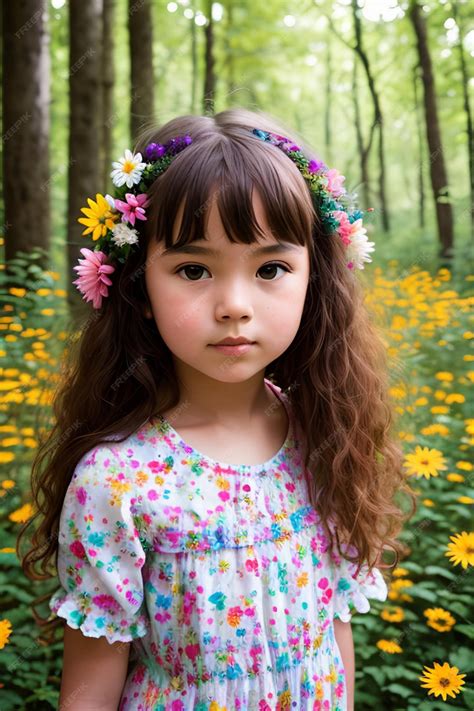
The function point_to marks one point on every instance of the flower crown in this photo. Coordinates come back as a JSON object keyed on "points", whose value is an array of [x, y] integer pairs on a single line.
{"points": [[112, 220]]}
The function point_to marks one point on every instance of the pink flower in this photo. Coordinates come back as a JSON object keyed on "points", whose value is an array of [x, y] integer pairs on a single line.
{"points": [[93, 281], [335, 180], [81, 495], [345, 229], [134, 208], [106, 602], [77, 549]]}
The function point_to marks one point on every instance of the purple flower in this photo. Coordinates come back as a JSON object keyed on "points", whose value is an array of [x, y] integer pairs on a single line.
{"points": [[315, 166], [175, 145], [153, 151]]}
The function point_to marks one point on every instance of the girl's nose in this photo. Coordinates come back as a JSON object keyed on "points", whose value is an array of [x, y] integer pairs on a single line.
{"points": [[234, 303]]}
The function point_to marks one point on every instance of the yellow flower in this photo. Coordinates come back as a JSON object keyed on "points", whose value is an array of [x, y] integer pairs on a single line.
{"points": [[428, 502], [22, 514], [8, 484], [99, 217], [8, 549], [442, 680], [461, 550], [214, 706], [10, 441], [399, 572], [5, 632], [389, 646], [466, 466], [119, 486], [393, 614], [435, 429], [439, 619], [442, 375], [424, 462], [454, 477], [284, 699], [6, 457], [455, 397], [401, 583], [302, 580], [16, 291], [9, 384], [466, 500]]}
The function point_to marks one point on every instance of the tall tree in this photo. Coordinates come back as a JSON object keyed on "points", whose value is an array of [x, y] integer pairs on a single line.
{"points": [[377, 122], [229, 62], [141, 64], [438, 174], [328, 103], [194, 60], [25, 107], [108, 77], [85, 115], [467, 108], [363, 154], [365, 147], [209, 74], [419, 138]]}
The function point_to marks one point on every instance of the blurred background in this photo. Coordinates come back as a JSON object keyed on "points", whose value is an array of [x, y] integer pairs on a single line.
{"points": [[381, 90]]}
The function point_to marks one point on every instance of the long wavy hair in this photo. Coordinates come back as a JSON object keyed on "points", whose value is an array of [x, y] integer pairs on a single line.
{"points": [[118, 372]]}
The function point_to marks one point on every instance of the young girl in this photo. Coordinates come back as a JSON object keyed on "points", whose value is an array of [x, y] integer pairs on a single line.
{"points": [[222, 478]]}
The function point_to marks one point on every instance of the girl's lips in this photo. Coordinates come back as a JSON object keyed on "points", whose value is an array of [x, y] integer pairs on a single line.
{"points": [[234, 350]]}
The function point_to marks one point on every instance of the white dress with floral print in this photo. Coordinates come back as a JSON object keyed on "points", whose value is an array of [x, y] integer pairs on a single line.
{"points": [[219, 575]]}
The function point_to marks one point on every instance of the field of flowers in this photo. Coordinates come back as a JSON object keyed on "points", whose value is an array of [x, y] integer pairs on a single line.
{"points": [[413, 652]]}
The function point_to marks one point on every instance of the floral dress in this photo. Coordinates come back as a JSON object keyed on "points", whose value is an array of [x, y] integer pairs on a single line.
{"points": [[219, 575]]}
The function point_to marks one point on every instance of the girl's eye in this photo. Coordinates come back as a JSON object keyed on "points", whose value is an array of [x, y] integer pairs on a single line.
{"points": [[191, 267], [191, 270]]}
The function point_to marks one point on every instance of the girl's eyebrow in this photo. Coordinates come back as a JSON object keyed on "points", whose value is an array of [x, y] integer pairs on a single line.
{"points": [[194, 249]]}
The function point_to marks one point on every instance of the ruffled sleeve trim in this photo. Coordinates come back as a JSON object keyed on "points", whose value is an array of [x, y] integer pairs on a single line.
{"points": [[352, 594], [81, 612]]}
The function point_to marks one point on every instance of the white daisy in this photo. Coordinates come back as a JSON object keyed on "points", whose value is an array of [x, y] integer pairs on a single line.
{"points": [[121, 234], [128, 169], [359, 249]]}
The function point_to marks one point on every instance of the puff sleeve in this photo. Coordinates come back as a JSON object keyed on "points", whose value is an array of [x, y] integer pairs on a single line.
{"points": [[350, 591], [100, 556]]}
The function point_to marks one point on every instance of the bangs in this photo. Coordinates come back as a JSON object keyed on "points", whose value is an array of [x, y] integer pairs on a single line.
{"points": [[226, 170]]}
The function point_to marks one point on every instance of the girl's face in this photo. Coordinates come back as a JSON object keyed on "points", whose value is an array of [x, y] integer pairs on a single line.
{"points": [[199, 298]]}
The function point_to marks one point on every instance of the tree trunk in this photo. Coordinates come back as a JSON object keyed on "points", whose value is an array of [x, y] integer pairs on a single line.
{"points": [[229, 56], [25, 107], [439, 179], [327, 107], [419, 121], [141, 62], [85, 113], [467, 110], [378, 119], [108, 78], [363, 155], [194, 62], [209, 75]]}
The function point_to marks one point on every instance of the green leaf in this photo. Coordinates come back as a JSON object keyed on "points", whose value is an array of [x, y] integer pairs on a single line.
{"points": [[423, 593], [467, 630], [377, 673], [399, 690], [461, 657], [467, 696], [437, 570]]}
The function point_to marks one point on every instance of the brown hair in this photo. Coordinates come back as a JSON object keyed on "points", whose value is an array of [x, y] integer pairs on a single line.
{"points": [[119, 373]]}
